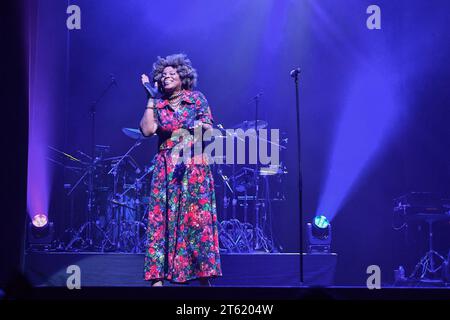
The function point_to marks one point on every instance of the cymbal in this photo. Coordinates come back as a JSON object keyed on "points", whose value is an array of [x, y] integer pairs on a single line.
{"points": [[134, 133], [250, 124]]}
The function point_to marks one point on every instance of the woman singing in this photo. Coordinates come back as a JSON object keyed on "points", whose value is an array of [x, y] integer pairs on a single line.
{"points": [[182, 230]]}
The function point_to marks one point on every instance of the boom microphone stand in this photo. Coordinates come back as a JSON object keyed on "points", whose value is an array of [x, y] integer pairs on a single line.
{"points": [[93, 110], [88, 241]]}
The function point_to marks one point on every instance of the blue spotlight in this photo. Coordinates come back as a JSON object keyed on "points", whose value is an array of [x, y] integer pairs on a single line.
{"points": [[371, 104], [321, 222], [319, 235]]}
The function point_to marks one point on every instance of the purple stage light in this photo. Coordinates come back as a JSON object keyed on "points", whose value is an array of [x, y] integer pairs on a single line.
{"points": [[44, 74], [38, 171]]}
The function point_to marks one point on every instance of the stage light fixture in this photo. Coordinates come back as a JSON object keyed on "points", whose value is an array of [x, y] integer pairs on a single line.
{"points": [[321, 222], [321, 228], [40, 232], [39, 220], [319, 235]]}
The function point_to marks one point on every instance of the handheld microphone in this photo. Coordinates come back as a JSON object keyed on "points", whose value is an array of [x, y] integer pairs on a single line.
{"points": [[153, 92]]}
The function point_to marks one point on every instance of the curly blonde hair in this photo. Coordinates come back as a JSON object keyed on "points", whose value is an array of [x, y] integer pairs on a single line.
{"points": [[182, 64]]}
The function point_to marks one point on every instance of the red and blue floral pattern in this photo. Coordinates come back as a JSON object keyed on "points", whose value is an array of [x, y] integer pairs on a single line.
{"points": [[182, 230]]}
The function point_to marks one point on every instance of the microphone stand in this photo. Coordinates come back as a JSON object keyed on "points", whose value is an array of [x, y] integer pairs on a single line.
{"points": [[93, 110], [295, 74], [91, 168]]}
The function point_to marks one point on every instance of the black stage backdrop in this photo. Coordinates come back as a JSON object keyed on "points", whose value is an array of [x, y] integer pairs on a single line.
{"points": [[14, 140]]}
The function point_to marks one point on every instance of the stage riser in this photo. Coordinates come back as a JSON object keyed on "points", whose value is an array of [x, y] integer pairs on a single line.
{"points": [[124, 270]]}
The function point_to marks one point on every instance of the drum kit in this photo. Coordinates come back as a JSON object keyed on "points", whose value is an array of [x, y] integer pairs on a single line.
{"points": [[117, 200], [245, 197]]}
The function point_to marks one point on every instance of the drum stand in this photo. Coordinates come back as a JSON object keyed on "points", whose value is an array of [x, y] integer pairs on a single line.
{"points": [[226, 185], [85, 232], [118, 198], [126, 234], [432, 262], [260, 241]]}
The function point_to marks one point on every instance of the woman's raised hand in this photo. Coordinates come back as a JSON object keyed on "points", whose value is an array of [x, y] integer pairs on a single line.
{"points": [[144, 79]]}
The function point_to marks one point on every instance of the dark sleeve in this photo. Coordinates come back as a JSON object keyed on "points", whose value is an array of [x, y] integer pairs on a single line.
{"points": [[203, 109]]}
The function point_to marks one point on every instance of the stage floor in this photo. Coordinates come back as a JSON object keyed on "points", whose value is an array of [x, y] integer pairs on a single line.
{"points": [[126, 270], [245, 277]]}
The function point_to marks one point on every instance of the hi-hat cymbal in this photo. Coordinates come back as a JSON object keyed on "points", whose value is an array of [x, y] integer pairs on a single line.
{"points": [[250, 124], [134, 133]]}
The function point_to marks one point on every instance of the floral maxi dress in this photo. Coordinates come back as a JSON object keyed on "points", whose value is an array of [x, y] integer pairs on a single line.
{"points": [[182, 232]]}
